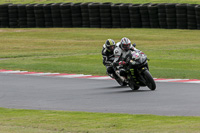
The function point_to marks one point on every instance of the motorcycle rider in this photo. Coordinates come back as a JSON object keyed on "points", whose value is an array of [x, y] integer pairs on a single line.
{"points": [[108, 55], [121, 51]]}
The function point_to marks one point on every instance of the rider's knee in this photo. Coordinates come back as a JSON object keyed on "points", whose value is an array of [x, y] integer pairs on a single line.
{"points": [[110, 70], [122, 72]]}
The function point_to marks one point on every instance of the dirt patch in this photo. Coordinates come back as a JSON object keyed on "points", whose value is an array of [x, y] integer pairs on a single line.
{"points": [[20, 31], [2, 30], [13, 30], [3, 58]]}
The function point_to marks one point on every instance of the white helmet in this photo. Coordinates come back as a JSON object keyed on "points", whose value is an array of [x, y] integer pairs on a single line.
{"points": [[125, 43]]}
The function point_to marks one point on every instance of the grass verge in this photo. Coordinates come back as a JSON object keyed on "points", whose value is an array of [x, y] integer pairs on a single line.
{"points": [[34, 121]]}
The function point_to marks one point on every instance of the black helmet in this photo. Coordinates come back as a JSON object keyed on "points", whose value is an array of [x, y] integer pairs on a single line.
{"points": [[110, 44], [125, 43]]}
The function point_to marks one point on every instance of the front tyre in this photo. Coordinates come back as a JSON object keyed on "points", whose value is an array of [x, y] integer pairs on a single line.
{"points": [[149, 80]]}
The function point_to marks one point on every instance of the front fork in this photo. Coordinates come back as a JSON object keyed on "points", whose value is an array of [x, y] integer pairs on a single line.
{"points": [[138, 79], [132, 76], [143, 80]]}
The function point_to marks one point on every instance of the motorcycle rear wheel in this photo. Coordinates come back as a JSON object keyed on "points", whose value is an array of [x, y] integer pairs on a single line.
{"points": [[149, 80], [133, 86], [120, 82]]}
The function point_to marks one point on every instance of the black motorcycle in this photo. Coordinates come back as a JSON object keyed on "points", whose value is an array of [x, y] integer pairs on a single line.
{"points": [[137, 71]]}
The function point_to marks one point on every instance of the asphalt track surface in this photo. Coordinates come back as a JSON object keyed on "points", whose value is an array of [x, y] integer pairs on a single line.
{"points": [[53, 93]]}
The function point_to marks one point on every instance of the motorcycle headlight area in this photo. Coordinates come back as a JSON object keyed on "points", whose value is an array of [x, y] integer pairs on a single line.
{"points": [[135, 55]]}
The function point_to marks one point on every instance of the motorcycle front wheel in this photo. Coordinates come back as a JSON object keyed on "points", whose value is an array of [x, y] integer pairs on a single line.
{"points": [[149, 80]]}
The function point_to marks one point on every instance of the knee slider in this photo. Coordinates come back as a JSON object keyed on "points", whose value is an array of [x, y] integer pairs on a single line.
{"points": [[122, 72], [110, 70]]}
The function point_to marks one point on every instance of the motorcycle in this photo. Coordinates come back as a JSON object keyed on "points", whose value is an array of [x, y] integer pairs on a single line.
{"points": [[138, 71]]}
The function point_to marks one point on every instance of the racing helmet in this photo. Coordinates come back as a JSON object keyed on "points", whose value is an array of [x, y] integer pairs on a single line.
{"points": [[110, 44], [125, 43]]}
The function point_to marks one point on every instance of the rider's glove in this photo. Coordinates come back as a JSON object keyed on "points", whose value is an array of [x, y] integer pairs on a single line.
{"points": [[122, 63], [132, 48], [115, 64]]}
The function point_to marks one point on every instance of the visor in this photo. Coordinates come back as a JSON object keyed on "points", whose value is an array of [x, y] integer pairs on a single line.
{"points": [[126, 46], [111, 47]]}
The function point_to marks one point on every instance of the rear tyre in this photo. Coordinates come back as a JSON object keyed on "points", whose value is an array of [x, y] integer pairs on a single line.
{"points": [[149, 80], [133, 86]]}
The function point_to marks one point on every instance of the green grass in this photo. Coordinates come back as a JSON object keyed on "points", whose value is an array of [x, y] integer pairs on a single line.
{"points": [[101, 1], [173, 53], [34, 121]]}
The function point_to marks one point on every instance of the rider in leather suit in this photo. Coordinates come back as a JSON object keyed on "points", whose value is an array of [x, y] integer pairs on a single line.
{"points": [[108, 55]]}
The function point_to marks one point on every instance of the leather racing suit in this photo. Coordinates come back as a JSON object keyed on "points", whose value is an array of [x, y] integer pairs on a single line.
{"points": [[108, 58], [120, 58]]}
